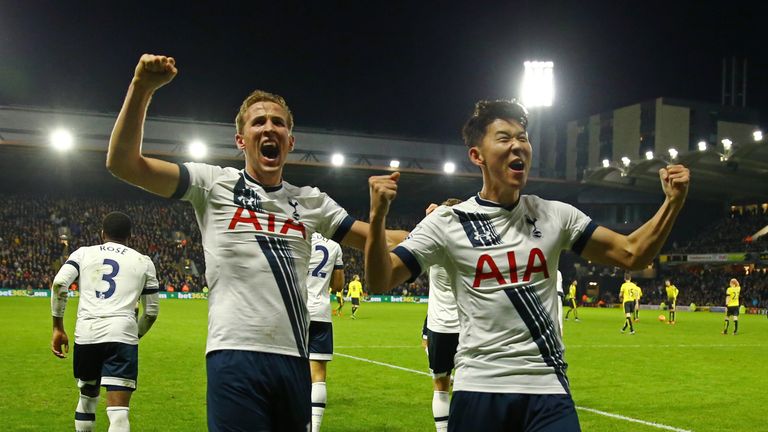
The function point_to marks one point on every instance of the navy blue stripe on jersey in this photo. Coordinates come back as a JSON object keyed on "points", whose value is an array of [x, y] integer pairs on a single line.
{"points": [[581, 242], [479, 229], [409, 260], [75, 265], [183, 185], [542, 329], [150, 290], [486, 203], [343, 229], [281, 263]]}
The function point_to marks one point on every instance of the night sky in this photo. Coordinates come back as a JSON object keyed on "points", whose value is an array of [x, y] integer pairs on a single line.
{"points": [[394, 68]]}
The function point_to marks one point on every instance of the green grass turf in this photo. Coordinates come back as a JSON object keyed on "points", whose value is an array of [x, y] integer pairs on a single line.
{"points": [[687, 376]]}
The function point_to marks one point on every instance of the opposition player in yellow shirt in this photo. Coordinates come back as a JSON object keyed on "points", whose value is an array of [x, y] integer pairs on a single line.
{"points": [[339, 300], [732, 306], [672, 293], [355, 292], [627, 297], [571, 299], [638, 293]]}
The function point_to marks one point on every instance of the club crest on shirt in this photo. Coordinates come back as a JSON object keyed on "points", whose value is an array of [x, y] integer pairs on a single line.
{"points": [[294, 204], [536, 233]]}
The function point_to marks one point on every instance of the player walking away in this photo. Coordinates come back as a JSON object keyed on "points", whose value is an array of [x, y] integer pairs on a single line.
{"points": [[672, 293], [627, 298], [501, 250], [355, 292], [112, 278], [326, 272], [339, 301], [637, 294], [571, 299], [443, 335], [256, 231], [732, 294]]}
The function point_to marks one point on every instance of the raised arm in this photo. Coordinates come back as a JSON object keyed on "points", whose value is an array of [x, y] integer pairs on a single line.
{"points": [[359, 231], [124, 158], [638, 249], [383, 269]]}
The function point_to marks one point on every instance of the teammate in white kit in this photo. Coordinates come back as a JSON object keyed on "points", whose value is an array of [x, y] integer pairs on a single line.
{"points": [[256, 231], [501, 250], [442, 335], [112, 277], [326, 272]]}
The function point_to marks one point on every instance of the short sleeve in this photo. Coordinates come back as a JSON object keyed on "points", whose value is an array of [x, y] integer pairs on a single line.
{"points": [[336, 222], [425, 245], [151, 285], [196, 181]]}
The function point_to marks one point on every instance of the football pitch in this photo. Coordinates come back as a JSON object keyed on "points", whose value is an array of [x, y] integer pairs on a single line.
{"points": [[686, 377]]}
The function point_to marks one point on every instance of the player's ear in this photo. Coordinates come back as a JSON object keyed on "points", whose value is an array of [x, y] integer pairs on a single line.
{"points": [[239, 142], [475, 157], [291, 142]]}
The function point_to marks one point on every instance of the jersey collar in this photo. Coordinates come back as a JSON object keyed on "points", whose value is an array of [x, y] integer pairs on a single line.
{"points": [[266, 188], [487, 203]]}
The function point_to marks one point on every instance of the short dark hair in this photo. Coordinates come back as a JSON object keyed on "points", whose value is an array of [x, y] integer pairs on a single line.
{"points": [[486, 112], [450, 202], [117, 226]]}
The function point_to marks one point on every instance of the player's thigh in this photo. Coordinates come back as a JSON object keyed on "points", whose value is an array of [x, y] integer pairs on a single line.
{"points": [[253, 391], [320, 341], [120, 370], [487, 412], [441, 351], [551, 413], [86, 362]]}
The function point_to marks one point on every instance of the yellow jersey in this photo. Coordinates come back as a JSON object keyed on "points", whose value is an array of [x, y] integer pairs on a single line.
{"points": [[638, 292], [627, 292], [571, 292], [355, 289], [733, 296], [672, 292]]}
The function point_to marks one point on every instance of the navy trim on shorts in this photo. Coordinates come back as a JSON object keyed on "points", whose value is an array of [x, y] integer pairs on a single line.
{"points": [[183, 185]]}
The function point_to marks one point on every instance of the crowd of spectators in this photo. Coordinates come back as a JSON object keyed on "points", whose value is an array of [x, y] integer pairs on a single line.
{"points": [[732, 233]]}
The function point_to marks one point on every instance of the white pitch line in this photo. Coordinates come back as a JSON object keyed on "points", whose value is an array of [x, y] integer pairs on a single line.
{"points": [[667, 346], [633, 420], [607, 414], [379, 346]]}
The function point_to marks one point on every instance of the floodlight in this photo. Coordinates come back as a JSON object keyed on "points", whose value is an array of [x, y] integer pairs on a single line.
{"points": [[672, 153], [394, 163], [757, 135], [337, 159], [625, 160], [449, 167], [62, 139], [702, 145], [648, 155], [197, 149], [538, 89], [606, 163], [727, 143]]}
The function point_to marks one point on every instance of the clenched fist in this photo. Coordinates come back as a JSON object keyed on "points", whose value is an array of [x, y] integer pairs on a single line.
{"points": [[674, 181], [154, 71], [383, 191]]}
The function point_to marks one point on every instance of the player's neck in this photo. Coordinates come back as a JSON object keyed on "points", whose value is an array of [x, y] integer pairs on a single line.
{"points": [[273, 178], [505, 197]]}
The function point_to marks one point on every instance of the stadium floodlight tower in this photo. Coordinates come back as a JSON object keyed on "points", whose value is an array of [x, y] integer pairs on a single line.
{"points": [[537, 92], [197, 149]]}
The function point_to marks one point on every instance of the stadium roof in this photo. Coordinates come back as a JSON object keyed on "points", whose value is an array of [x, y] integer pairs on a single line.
{"points": [[737, 176]]}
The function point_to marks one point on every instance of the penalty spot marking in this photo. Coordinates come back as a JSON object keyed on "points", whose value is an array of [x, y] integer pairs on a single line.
{"points": [[594, 411]]}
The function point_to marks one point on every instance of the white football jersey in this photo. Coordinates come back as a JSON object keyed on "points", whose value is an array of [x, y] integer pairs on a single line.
{"points": [[326, 257], [112, 277], [503, 264], [256, 242], [442, 315]]}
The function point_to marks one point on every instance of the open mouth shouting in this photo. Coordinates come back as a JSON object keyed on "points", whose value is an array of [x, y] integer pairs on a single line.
{"points": [[270, 152], [517, 165]]}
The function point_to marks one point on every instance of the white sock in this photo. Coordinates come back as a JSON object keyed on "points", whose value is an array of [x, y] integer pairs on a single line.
{"points": [[441, 404], [319, 397], [118, 419], [85, 414]]}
